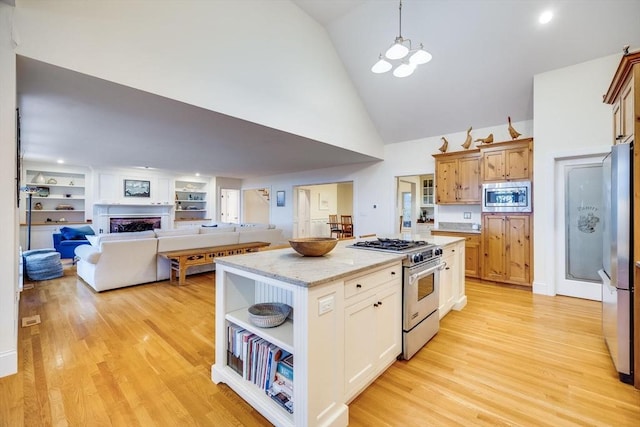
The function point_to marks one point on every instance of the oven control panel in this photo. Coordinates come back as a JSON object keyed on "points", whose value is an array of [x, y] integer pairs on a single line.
{"points": [[425, 255]]}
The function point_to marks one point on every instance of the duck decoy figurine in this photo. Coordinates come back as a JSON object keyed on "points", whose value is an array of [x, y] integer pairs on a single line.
{"points": [[487, 140], [445, 145], [514, 133], [467, 142]]}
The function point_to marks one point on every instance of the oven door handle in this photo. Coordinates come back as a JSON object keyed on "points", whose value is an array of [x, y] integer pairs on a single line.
{"points": [[417, 276]]}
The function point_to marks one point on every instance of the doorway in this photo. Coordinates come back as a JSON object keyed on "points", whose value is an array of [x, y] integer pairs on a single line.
{"points": [[578, 219], [230, 205], [256, 204], [313, 204]]}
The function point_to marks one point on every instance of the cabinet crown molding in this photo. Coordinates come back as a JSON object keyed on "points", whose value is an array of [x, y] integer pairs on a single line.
{"points": [[621, 76]]}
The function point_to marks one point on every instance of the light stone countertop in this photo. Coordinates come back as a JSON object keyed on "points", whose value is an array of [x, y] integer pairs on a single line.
{"points": [[343, 261], [289, 266]]}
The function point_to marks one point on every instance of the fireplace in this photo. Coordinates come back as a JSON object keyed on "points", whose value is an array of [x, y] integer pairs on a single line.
{"points": [[122, 225], [104, 215]]}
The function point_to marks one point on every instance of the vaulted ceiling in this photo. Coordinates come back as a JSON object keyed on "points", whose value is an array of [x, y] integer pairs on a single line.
{"points": [[485, 54]]}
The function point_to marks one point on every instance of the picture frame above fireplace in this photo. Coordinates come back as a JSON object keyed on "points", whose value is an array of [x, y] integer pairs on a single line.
{"points": [[137, 188]]}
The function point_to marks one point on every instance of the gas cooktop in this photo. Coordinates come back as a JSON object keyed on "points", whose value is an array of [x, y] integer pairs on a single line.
{"points": [[392, 245]]}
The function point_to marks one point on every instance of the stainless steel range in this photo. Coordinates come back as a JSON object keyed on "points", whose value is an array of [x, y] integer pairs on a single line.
{"points": [[420, 288]]}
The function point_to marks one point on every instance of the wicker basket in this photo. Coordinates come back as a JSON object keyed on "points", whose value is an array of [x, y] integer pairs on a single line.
{"points": [[269, 314]]}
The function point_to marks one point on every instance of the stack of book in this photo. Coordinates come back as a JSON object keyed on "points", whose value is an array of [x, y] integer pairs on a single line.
{"points": [[281, 389], [261, 363]]}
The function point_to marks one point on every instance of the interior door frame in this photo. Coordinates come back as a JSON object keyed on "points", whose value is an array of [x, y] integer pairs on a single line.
{"points": [[555, 254]]}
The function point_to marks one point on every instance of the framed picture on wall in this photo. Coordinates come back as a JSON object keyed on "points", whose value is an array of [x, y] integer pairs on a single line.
{"points": [[280, 198], [323, 202], [137, 188]]}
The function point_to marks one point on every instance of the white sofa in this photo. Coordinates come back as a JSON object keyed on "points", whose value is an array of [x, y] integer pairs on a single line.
{"points": [[109, 263], [124, 259]]}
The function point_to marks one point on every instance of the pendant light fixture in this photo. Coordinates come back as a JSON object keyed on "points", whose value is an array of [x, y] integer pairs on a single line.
{"points": [[399, 51]]}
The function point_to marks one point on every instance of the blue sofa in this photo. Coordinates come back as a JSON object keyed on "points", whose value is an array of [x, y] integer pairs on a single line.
{"points": [[69, 239]]}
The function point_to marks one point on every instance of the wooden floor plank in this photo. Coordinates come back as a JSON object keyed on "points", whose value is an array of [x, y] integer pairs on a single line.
{"points": [[142, 356]]}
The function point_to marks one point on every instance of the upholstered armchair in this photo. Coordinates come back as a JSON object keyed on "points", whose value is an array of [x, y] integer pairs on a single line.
{"points": [[69, 239]]}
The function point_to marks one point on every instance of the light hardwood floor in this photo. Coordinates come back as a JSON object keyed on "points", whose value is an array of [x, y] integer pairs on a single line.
{"points": [[142, 356]]}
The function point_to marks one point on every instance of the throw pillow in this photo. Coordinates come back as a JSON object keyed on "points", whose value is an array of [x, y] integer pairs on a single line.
{"points": [[80, 233]]}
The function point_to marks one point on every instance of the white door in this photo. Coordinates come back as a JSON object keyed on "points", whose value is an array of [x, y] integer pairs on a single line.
{"points": [[230, 205], [304, 213], [578, 219]]}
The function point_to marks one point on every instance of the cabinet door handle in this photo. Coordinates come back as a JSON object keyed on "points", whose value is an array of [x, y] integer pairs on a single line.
{"points": [[375, 305], [358, 285], [446, 268], [379, 302], [393, 273], [619, 137]]}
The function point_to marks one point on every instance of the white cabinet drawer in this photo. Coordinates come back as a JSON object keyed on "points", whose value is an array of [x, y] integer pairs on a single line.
{"points": [[366, 282]]}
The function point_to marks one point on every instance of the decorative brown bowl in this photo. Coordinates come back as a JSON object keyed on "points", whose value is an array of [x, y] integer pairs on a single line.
{"points": [[313, 246]]}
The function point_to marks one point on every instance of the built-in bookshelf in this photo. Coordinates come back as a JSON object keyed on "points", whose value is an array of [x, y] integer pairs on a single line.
{"points": [[56, 197], [190, 200]]}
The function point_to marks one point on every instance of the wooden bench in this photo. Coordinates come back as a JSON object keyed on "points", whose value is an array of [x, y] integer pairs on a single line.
{"points": [[185, 258]]}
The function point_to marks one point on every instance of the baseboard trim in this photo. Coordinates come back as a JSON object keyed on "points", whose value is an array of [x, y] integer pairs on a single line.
{"points": [[460, 303], [8, 363], [543, 289]]}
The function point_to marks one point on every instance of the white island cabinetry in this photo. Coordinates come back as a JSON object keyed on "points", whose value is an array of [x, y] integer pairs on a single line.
{"points": [[321, 334], [373, 325], [452, 286]]}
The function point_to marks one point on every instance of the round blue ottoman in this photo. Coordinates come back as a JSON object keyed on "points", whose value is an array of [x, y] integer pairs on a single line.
{"points": [[42, 265]]}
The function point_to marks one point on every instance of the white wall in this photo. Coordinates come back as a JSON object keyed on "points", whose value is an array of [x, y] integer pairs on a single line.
{"points": [[8, 212], [570, 120], [267, 62], [374, 184]]}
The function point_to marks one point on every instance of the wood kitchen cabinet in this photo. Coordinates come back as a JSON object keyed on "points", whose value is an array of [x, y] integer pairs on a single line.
{"points": [[458, 178], [624, 95], [471, 250], [508, 161], [506, 247]]}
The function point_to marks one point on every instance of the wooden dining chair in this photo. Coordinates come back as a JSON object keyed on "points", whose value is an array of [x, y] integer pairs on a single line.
{"points": [[334, 226], [347, 225]]}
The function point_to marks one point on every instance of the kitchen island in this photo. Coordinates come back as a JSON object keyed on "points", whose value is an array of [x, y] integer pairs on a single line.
{"points": [[345, 329]]}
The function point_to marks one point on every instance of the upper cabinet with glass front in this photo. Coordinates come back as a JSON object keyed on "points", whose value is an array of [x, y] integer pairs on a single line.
{"points": [[428, 190]]}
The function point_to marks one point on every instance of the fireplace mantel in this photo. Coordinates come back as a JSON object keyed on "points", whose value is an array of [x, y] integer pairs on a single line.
{"points": [[102, 213]]}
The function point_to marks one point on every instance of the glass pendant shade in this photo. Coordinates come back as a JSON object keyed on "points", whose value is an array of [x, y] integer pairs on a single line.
{"points": [[405, 69], [420, 56], [381, 66], [397, 50]]}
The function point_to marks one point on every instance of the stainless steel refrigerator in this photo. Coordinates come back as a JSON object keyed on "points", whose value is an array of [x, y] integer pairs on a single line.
{"points": [[617, 271]]}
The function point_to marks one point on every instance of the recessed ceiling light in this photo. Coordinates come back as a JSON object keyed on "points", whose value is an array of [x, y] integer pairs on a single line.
{"points": [[545, 17], [60, 161], [197, 173]]}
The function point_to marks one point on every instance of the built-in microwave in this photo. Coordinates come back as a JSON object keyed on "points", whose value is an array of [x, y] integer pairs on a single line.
{"points": [[506, 196]]}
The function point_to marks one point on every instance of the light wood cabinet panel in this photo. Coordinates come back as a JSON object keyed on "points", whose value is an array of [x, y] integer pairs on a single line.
{"points": [[506, 247], [493, 166], [458, 178], [469, 180], [507, 161], [472, 256], [493, 244], [518, 249], [624, 115], [471, 251], [446, 184]]}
